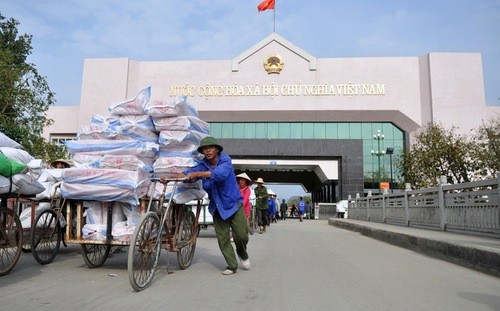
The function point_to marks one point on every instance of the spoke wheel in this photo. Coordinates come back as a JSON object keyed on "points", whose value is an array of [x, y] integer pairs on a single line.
{"points": [[95, 255], [144, 252], [45, 237], [11, 240], [186, 241]]}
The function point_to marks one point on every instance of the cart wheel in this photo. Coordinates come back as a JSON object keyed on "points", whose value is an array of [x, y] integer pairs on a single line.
{"points": [[95, 255], [186, 242], [45, 237], [26, 247], [11, 240], [144, 252]]}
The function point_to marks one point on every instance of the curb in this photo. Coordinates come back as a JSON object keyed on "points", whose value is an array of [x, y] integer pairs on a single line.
{"points": [[469, 256]]}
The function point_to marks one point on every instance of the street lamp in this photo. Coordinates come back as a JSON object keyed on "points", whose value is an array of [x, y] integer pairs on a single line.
{"points": [[390, 151], [379, 153]]}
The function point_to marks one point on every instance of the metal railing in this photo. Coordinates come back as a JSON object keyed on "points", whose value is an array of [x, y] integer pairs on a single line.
{"points": [[466, 208]]}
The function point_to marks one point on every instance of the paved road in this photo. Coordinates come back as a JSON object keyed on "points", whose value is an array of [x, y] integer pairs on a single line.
{"points": [[295, 266]]}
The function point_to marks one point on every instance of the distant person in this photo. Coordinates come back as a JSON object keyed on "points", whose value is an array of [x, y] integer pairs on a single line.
{"points": [[283, 209], [244, 183], [292, 210], [341, 206], [271, 210], [226, 204], [261, 205], [302, 208]]}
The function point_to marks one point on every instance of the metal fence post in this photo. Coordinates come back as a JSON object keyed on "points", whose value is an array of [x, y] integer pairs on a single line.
{"points": [[407, 204], [442, 182]]}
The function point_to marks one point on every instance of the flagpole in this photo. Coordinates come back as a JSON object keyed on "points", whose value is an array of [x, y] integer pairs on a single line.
{"points": [[274, 18]]}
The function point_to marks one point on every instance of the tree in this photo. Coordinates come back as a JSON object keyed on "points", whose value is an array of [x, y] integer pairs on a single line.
{"points": [[487, 151], [437, 152], [24, 94]]}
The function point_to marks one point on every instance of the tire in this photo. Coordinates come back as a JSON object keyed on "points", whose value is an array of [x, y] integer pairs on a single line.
{"points": [[144, 252], [11, 240], [45, 237], [95, 255], [186, 240]]}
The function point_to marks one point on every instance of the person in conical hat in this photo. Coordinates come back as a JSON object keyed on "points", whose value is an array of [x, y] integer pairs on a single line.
{"points": [[61, 163], [244, 183], [226, 204], [261, 205]]}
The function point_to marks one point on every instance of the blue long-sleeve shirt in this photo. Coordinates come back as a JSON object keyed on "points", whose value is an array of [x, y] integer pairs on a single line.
{"points": [[222, 188]]}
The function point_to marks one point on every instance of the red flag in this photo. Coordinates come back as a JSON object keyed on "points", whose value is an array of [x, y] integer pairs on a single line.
{"points": [[266, 5]]}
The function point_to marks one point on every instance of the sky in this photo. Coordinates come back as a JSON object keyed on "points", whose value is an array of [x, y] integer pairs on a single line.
{"points": [[65, 32]]}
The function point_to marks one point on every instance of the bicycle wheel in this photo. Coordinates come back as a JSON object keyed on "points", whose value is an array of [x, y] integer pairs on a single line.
{"points": [[95, 255], [186, 240], [45, 237], [144, 252], [11, 240]]}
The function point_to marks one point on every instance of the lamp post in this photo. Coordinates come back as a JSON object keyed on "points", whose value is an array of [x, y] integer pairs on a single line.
{"points": [[390, 151], [378, 137]]}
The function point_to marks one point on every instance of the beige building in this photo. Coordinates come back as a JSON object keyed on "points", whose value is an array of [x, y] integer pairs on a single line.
{"points": [[282, 112]]}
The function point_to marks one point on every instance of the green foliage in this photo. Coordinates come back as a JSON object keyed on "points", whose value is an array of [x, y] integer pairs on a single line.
{"points": [[439, 152], [24, 94]]}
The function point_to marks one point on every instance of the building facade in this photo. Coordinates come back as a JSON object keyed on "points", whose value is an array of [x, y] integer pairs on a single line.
{"points": [[289, 117]]}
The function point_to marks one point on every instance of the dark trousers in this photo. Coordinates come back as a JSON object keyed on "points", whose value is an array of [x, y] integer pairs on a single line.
{"points": [[262, 217]]}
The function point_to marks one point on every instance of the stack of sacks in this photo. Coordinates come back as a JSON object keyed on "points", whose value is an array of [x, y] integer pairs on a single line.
{"points": [[181, 131], [19, 171], [113, 158]]}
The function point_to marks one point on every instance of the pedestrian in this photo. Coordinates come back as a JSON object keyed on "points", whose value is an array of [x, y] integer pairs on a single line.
{"points": [[292, 210], [226, 204], [277, 210], [244, 183], [271, 210], [301, 207], [283, 209], [261, 205]]}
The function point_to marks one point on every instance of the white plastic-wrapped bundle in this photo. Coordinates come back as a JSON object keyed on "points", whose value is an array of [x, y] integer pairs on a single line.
{"points": [[178, 107], [6, 186], [96, 131], [172, 165], [123, 162], [187, 151], [119, 147], [184, 192], [110, 121], [123, 232], [85, 160], [132, 106], [180, 138], [182, 123], [132, 213], [51, 191], [26, 185], [106, 185], [6, 141], [101, 192], [137, 132], [143, 120], [112, 177]]}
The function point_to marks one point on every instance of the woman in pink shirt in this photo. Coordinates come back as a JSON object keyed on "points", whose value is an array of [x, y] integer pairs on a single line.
{"points": [[244, 183]]}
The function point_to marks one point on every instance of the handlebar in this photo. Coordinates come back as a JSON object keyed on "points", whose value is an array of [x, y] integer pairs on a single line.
{"points": [[156, 179]]}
